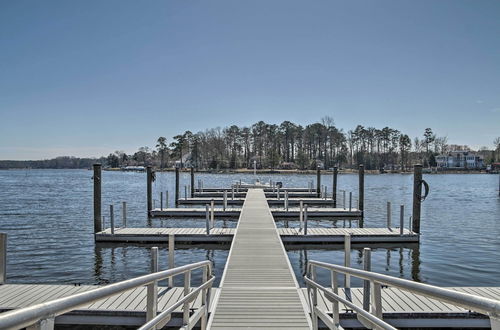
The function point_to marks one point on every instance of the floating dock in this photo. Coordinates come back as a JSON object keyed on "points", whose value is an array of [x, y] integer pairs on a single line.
{"points": [[271, 201], [234, 212], [258, 288], [400, 308], [288, 235]]}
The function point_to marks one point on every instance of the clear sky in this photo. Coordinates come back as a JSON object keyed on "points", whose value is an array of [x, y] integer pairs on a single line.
{"points": [[85, 78]]}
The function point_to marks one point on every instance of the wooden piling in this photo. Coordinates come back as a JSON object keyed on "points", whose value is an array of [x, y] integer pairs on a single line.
{"points": [[124, 214], [192, 182], [149, 181], [318, 182], [417, 197], [112, 219], [334, 187], [97, 198], [3, 258], [347, 259], [176, 187], [361, 194]]}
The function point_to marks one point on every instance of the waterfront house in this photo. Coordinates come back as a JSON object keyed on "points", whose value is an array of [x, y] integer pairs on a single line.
{"points": [[460, 159]]}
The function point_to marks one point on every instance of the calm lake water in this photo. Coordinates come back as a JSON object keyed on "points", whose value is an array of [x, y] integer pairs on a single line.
{"points": [[48, 217]]}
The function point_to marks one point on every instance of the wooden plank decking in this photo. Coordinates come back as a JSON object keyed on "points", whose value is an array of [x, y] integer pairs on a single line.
{"points": [[234, 212], [258, 288], [288, 235]]}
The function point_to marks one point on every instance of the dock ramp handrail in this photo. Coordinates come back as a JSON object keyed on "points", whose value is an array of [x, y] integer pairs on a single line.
{"points": [[42, 316], [373, 316]]}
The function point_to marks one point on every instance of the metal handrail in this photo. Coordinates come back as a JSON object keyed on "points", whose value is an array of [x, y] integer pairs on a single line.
{"points": [[186, 299], [47, 311], [370, 318], [468, 301]]}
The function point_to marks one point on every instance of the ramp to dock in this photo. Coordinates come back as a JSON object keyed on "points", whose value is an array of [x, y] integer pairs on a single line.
{"points": [[258, 288]]}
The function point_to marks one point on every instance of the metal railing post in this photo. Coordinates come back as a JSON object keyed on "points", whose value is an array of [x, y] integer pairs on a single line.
{"points": [[305, 219], [204, 300], [301, 214], [185, 308], [314, 300], [389, 224], [171, 257], [366, 283], [207, 218], [212, 213], [401, 219], [347, 259], [112, 219], [152, 288], [376, 299], [3, 257], [225, 200], [335, 304], [124, 214]]}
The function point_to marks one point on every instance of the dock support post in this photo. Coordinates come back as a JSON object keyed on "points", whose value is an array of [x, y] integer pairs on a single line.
{"points": [[149, 180], [124, 214], [185, 192], [171, 256], [401, 219], [343, 199], [3, 258], [97, 198], [417, 197], [361, 194], [152, 289], [192, 182], [366, 283], [334, 186], [112, 219], [350, 201], [212, 211], [301, 214], [166, 199], [318, 182], [305, 219], [225, 201], [207, 218], [232, 192], [278, 192], [161, 200], [326, 192], [347, 259], [176, 187], [389, 220], [286, 200]]}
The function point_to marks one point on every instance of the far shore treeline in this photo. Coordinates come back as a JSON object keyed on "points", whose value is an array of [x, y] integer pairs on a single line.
{"points": [[284, 146]]}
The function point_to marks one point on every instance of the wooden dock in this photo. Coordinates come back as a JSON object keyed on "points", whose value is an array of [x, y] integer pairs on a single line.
{"points": [[234, 212], [258, 287], [288, 235]]}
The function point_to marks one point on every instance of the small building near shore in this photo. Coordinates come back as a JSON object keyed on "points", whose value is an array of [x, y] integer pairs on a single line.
{"points": [[460, 159]]}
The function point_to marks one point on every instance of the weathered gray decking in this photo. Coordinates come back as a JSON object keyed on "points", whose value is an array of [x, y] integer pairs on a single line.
{"points": [[234, 212], [400, 308], [127, 308], [272, 201], [288, 235], [258, 288]]}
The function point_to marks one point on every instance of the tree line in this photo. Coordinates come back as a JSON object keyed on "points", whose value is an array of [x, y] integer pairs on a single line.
{"points": [[284, 146], [291, 146]]}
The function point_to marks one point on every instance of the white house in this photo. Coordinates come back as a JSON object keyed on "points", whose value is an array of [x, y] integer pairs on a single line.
{"points": [[460, 159]]}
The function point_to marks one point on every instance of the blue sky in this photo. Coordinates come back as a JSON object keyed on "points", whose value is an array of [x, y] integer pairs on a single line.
{"points": [[85, 78]]}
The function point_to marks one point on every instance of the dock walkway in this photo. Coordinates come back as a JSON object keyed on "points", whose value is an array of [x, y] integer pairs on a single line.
{"points": [[258, 288]]}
